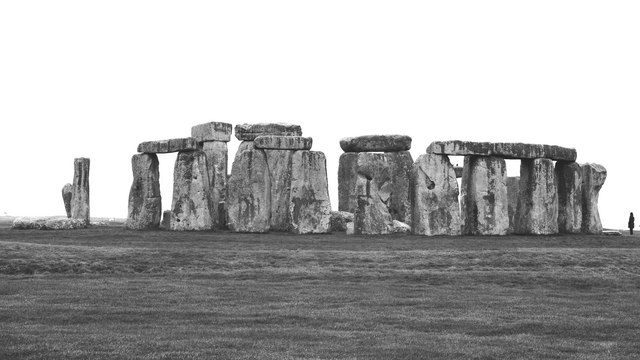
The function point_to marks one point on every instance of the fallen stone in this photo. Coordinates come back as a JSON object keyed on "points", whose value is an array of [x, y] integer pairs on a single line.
{"points": [[310, 208], [80, 208], [212, 131], [503, 150], [248, 193], [339, 220], [48, 223], [191, 206], [400, 168], [435, 196], [67, 193], [251, 131], [484, 203], [611, 232], [569, 179], [279, 142], [145, 202], [279, 167], [593, 177], [217, 156], [373, 191], [398, 227], [376, 143], [168, 146], [513, 189], [537, 211]]}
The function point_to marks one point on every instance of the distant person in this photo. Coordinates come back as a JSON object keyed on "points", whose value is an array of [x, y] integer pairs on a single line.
{"points": [[631, 223]]}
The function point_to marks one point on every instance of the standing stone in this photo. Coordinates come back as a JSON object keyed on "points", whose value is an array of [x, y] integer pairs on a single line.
{"points": [[484, 196], [165, 224], [279, 165], [248, 193], [537, 211], [569, 179], [347, 178], [401, 166], [245, 145], [80, 196], [191, 208], [513, 189], [217, 158], [435, 196], [310, 208], [593, 177], [373, 190], [67, 192], [145, 203]]}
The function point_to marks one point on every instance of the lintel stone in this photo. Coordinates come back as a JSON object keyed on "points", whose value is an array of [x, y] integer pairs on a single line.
{"points": [[248, 132], [376, 143], [212, 131], [504, 150], [168, 146]]}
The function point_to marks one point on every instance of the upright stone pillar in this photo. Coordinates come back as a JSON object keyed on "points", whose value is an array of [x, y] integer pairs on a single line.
{"points": [[569, 179], [192, 207], [537, 211], [435, 196], [279, 167], [145, 202], [484, 196], [513, 189], [310, 208], [80, 196], [373, 190], [401, 166], [347, 178], [593, 177], [67, 193]]}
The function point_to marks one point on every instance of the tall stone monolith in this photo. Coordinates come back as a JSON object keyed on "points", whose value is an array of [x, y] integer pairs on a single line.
{"points": [[145, 202], [310, 207], [593, 177], [279, 167], [400, 168], [513, 189], [537, 211], [484, 203], [217, 158], [373, 191], [347, 178], [192, 207], [434, 194], [80, 208], [569, 179], [67, 193]]}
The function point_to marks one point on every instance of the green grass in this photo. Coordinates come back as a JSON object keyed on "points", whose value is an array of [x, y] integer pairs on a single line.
{"points": [[109, 293]]}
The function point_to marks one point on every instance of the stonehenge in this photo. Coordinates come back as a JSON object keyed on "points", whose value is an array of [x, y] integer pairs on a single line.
{"points": [[80, 208]]}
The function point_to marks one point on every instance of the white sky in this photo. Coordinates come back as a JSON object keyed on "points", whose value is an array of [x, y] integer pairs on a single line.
{"points": [[94, 79]]}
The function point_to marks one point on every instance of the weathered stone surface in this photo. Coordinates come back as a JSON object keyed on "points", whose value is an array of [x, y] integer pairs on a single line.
{"points": [[212, 131], [400, 168], [248, 193], [145, 202], [513, 189], [310, 207], [80, 208], [593, 177], [339, 220], [245, 145], [569, 180], [168, 146], [279, 142], [192, 207], [48, 223], [279, 167], [373, 190], [398, 227], [434, 190], [251, 131], [67, 193], [484, 204], [537, 211], [217, 157], [166, 220], [372, 143], [504, 150], [458, 170], [347, 178]]}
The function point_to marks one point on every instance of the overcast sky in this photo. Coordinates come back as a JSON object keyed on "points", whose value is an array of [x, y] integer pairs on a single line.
{"points": [[94, 79]]}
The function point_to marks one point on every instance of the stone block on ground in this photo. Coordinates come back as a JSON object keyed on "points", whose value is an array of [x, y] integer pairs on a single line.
{"points": [[376, 143], [145, 202], [279, 142], [248, 193], [248, 132], [192, 207], [398, 227], [537, 210], [67, 193], [503, 150], [48, 223], [593, 178], [310, 207], [569, 179], [166, 220], [212, 131], [168, 146], [80, 205], [339, 220]]}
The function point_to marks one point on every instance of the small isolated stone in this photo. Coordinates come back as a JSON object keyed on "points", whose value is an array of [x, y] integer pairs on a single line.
{"points": [[212, 131], [279, 142], [611, 232], [80, 198], [166, 220], [401, 228], [67, 193], [249, 132], [376, 143], [339, 221], [168, 146]]}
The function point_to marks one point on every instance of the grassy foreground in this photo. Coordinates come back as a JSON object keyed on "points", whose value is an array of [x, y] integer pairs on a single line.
{"points": [[110, 293]]}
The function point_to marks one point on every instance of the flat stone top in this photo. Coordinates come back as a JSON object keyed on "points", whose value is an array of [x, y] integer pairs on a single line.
{"points": [[375, 143], [504, 150], [212, 131], [280, 142], [248, 132], [168, 146]]}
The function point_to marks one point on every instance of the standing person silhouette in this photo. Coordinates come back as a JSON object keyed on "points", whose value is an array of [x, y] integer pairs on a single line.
{"points": [[631, 223]]}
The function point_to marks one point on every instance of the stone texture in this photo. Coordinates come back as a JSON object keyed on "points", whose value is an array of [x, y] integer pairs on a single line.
{"points": [[251, 131], [373, 191], [166, 220], [248, 193], [310, 207], [504, 150], [593, 177], [192, 207], [67, 193], [400, 168], [513, 189], [80, 207], [347, 178], [48, 223], [212, 131], [398, 227], [245, 145], [373, 143], [145, 202], [217, 155], [279, 167], [278, 142], [339, 220], [168, 146], [569, 180], [434, 192], [537, 211], [484, 204]]}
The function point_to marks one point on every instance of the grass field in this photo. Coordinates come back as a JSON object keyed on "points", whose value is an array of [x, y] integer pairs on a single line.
{"points": [[109, 293]]}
